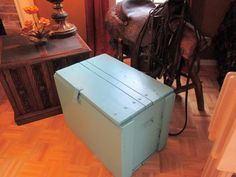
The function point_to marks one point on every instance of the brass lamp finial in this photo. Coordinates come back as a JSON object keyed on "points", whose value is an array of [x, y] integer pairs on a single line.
{"points": [[62, 28]]}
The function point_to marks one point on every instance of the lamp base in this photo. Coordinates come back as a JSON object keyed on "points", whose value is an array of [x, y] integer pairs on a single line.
{"points": [[63, 30]]}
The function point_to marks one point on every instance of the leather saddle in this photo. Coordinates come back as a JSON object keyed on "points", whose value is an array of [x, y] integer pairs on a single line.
{"points": [[127, 18]]}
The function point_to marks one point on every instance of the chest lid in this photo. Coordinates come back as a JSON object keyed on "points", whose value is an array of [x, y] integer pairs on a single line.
{"points": [[114, 88]]}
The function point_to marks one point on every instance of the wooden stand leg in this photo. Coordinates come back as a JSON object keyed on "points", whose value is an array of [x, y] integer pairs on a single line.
{"points": [[178, 81], [120, 49], [198, 89]]}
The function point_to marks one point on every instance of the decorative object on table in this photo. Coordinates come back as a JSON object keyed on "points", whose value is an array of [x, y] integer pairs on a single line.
{"points": [[62, 28], [37, 29]]}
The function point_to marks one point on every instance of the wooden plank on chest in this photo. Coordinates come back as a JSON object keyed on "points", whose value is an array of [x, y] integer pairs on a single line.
{"points": [[138, 81], [110, 100], [120, 85]]}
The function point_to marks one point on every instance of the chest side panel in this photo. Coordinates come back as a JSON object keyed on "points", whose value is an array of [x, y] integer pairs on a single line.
{"points": [[168, 104], [147, 128], [100, 134]]}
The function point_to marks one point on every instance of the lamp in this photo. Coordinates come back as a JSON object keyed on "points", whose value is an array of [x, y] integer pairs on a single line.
{"points": [[62, 28]]}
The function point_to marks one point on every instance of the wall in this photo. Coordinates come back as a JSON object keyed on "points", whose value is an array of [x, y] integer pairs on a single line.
{"points": [[112, 2], [9, 16], [208, 14], [213, 15], [75, 9]]}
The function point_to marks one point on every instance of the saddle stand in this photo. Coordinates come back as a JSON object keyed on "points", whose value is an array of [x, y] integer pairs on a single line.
{"points": [[161, 41]]}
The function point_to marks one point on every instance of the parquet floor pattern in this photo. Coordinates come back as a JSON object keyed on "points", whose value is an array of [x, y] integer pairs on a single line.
{"points": [[47, 148]]}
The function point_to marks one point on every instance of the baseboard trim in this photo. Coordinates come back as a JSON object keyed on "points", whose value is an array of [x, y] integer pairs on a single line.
{"points": [[208, 62]]}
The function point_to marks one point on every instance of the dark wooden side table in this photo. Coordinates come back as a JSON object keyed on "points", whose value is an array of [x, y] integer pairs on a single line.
{"points": [[26, 73]]}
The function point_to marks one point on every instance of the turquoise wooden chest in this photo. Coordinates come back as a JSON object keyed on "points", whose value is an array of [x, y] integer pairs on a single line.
{"points": [[120, 113]]}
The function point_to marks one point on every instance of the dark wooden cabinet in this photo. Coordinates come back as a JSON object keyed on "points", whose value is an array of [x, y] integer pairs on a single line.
{"points": [[26, 73]]}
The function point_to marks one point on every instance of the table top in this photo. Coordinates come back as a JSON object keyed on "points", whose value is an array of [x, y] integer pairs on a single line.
{"points": [[19, 50]]}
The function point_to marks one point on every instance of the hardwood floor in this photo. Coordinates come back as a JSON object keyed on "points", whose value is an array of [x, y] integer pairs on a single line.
{"points": [[47, 148]]}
